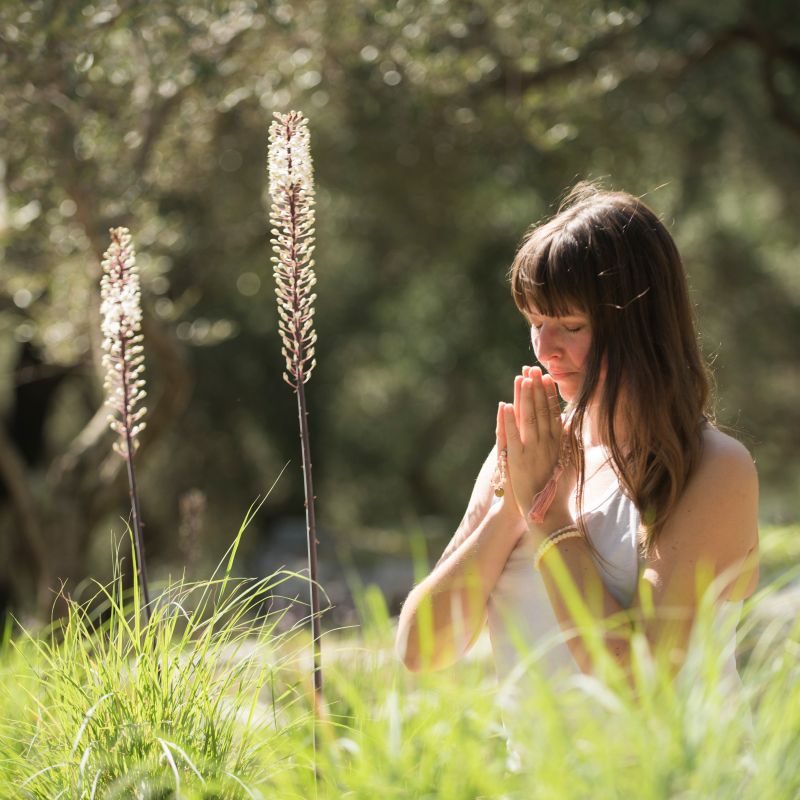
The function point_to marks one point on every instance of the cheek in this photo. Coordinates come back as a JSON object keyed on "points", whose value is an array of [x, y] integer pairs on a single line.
{"points": [[579, 351]]}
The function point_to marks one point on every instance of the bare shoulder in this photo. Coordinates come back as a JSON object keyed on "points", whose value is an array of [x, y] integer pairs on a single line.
{"points": [[723, 486], [725, 464], [716, 518]]}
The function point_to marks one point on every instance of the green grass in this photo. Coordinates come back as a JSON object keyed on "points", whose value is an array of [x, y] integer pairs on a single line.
{"points": [[779, 547], [211, 701]]}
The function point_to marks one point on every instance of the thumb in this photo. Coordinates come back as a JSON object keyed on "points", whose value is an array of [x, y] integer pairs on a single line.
{"points": [[510, 430], [500, 431]]}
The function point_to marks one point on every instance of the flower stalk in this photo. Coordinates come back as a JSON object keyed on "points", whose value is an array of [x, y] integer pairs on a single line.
{"points": [[291, 185], [121, 310]]}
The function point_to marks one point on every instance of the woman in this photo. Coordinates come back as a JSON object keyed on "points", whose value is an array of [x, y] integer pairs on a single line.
{"points": [[655, 502]]}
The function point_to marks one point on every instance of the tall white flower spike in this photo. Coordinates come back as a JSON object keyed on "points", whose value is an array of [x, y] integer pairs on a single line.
{"points": [[121, 309], [291, 184]]}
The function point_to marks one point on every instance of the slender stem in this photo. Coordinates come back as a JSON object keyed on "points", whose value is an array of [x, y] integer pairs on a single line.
{"points": [[138, 539], [312, 543]]}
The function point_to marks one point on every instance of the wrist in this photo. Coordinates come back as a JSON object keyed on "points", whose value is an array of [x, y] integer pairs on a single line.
{"points": [[555, 519], [507, 508], [508, 514]]}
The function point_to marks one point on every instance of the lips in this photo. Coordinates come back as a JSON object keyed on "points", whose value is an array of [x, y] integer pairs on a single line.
{"points": [[560, 376]]}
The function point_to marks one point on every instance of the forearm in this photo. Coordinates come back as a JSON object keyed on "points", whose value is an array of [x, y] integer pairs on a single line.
{"points": [[587, 613], [444, 614]]}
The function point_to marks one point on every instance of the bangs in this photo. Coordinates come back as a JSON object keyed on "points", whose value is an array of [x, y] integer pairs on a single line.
{"points": [[549, 273]]}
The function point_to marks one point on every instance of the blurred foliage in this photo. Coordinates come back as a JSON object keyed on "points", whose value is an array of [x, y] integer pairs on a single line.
{"points": [[779, 549], [440, 131]]}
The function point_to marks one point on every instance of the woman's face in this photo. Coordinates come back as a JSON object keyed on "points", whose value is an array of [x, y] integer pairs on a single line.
{"points": [[562, 345]]}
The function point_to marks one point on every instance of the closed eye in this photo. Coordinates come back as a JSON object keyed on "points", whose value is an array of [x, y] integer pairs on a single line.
{"points": [[569, 330]]}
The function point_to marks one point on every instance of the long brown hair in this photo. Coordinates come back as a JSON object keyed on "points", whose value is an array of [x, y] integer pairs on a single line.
{"points": [[608, 255]]}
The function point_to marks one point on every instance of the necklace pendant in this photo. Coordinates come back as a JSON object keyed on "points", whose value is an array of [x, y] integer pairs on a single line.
{"points": [[499, 492]]}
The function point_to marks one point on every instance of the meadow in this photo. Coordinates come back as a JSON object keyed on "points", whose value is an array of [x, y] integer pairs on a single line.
{"points": [[212, 699], [442, 131]]}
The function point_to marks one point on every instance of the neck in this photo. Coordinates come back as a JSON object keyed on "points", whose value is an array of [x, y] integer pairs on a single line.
{"points": [[591, 426]]}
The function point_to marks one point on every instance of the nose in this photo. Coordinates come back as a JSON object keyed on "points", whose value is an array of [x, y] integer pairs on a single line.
{"points": [[546, 342]]}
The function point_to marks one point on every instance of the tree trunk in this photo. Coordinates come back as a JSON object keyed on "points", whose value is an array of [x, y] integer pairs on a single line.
{"points": [[54, 524]]}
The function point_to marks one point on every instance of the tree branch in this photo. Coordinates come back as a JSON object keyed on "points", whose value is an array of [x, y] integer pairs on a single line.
{"points": [[155, 121], [519, 82], [780, 110], [157, 116], [772, 48]]}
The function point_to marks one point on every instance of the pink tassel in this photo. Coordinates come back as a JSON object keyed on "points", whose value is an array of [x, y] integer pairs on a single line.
{"points": [[542, 500]]}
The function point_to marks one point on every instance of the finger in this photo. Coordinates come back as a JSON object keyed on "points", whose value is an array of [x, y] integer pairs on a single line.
{"points": [[541, 406], [553, 404], [528, 429], [517, 386], [526, 372], [501, 431], [510, 430]]}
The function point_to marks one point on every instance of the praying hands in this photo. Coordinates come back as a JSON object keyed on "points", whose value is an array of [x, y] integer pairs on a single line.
{"points": [[531, 433]]}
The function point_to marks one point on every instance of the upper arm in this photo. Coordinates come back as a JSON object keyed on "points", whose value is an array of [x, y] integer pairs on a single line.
{"points": [[478, 507], [711, 536]]}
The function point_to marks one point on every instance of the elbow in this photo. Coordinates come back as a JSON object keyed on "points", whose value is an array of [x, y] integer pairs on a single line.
{"points": [[614, 652], [408, 654], [411, 663]]}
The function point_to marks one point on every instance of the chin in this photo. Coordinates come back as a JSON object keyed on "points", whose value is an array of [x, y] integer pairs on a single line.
{"points": [[567, 396], [567, 388]]}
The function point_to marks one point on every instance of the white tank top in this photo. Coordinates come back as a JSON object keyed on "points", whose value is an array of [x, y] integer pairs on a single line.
{"points": [[523, 625]]}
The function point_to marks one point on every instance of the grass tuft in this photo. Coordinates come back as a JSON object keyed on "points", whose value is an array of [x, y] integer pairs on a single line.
{"points": [[213, 700]]}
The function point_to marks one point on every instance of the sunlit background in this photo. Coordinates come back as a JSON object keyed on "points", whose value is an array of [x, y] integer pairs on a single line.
{"points": [[440, 132]]}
